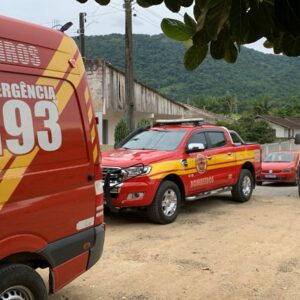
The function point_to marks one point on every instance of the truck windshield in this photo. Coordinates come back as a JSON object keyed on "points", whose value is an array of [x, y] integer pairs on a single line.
{"points": [[156, 140]]}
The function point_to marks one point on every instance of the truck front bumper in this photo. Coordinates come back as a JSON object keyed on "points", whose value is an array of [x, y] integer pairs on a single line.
{"points": [[132, 194]]}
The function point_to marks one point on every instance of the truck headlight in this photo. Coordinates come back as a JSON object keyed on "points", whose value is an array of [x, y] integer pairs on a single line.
{"points": [[135, 171], [289, 170]]}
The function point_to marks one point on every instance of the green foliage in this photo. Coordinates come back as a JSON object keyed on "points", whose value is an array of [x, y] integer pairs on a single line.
{"points": [[143, 123], [225, 25], [157, 63], [252, 130], [121, 131], [176, 29], [226, 104]]}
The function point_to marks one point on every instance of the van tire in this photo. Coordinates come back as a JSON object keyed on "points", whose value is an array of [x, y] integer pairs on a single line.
{"points": [[17, 279], [166, 204], [242, 190]]}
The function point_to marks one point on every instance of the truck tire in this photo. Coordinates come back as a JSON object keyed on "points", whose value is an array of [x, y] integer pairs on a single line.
{"points": [[242, 191], [166, 204], [20, 282]]}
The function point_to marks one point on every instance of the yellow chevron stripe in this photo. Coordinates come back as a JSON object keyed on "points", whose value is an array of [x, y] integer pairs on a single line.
{"points": [[90, 114], [93, 133], [86, 95], [14, 175], [5, 159], [95, 153]]}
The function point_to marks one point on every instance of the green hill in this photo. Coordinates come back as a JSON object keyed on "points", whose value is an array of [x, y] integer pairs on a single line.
{"points": [[158, 63]]}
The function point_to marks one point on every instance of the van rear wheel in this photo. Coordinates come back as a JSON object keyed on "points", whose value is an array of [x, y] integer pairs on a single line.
{"points": [[20, 282], [166, 204]]}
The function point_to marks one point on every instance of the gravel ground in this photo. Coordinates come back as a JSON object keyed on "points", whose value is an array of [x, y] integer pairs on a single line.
{"points": [[216, 249]]}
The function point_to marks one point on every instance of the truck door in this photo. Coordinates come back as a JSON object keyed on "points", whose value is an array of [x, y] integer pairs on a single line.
{"points": [[221, 158], [202, 178]]}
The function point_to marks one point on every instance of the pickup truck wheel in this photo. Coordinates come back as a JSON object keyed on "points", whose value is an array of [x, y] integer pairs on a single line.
{"points": [[20, 282], [243, 189], [166, 204]]}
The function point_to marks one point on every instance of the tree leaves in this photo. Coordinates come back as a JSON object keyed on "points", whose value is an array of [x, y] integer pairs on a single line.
{"points": [[176, 30], [194, 57], [223, 25], [103, 2], [146, 3]]}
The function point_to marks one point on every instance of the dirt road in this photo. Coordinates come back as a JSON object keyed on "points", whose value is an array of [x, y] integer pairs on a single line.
{"points": [[216, 249]]}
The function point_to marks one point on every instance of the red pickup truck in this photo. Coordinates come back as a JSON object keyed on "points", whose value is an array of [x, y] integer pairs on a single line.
{"points": [[159, 167]]}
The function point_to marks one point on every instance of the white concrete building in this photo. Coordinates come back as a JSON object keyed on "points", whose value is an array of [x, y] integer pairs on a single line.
{"points": [[285, 128], [108, 93]]}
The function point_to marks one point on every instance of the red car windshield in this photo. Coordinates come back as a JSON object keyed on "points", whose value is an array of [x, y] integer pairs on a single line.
{"points": [[280, 157]]}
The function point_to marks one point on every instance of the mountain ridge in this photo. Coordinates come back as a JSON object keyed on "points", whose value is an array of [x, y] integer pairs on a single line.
{"points": [[158, 64]]}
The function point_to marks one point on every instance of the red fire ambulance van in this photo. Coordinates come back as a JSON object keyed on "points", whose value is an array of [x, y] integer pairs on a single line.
{"points": [[51, 199]]}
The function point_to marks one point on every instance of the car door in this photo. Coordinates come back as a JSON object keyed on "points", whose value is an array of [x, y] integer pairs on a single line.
{"points": [[201, 178], [221, 159]]}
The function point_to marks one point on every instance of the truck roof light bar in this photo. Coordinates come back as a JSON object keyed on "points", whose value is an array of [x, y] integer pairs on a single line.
{"points": [[193, 121]]}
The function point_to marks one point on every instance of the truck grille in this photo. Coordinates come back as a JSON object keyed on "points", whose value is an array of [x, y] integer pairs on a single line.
{"points": [[115, 174]]}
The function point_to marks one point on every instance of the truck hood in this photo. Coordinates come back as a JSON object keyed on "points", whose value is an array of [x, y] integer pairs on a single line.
{"points": [[125, 158]]}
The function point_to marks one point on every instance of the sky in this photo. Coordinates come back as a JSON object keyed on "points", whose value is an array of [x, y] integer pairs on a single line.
{"points": [[101, 20]]}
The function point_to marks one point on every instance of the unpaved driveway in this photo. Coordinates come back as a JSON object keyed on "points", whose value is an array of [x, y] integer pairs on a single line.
{"points": [[216, 249]]}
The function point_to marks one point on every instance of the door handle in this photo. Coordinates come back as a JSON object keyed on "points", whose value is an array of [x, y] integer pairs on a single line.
{"points": [[229, 153], [209, 157]]}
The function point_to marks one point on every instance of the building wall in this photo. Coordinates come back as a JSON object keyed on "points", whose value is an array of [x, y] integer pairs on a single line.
{"points": [[107, 86], [280, 131]]}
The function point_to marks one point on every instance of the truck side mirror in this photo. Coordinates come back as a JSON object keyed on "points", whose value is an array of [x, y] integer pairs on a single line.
{"points": [[297, 139], [195, 147]]}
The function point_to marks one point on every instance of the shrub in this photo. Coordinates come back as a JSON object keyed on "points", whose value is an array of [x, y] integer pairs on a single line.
{"points": [[121, 131]]}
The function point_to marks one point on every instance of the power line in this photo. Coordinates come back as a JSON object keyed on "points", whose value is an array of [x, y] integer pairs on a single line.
{"points": [[145, 18]]}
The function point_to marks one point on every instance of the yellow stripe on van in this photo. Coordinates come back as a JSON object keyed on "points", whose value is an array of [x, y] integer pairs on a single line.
{"points": [[93, 133], [90, 114], [86, 95], [4, 159], [14, 175], [95, 153]]}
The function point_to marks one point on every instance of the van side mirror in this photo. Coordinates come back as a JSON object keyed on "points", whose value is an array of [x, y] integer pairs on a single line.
{"points": [[297, 139], [195, 147]]}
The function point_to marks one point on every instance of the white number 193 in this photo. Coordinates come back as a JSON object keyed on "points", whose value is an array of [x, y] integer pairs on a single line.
{"points": [[18, 123]]}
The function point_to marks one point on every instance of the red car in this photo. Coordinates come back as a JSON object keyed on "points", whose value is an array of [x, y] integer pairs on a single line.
{"points": [[279, 167]]}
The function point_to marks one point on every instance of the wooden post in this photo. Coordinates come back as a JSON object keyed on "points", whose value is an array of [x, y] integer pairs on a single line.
{"points": [[82, 34], [129, 83]]}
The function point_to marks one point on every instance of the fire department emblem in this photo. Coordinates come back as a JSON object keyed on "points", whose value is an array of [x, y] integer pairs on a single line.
{"points": [[201, 163]]}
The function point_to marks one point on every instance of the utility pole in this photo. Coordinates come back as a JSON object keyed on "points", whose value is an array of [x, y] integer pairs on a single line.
{"points": [[129, 85], [82, 20]]}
